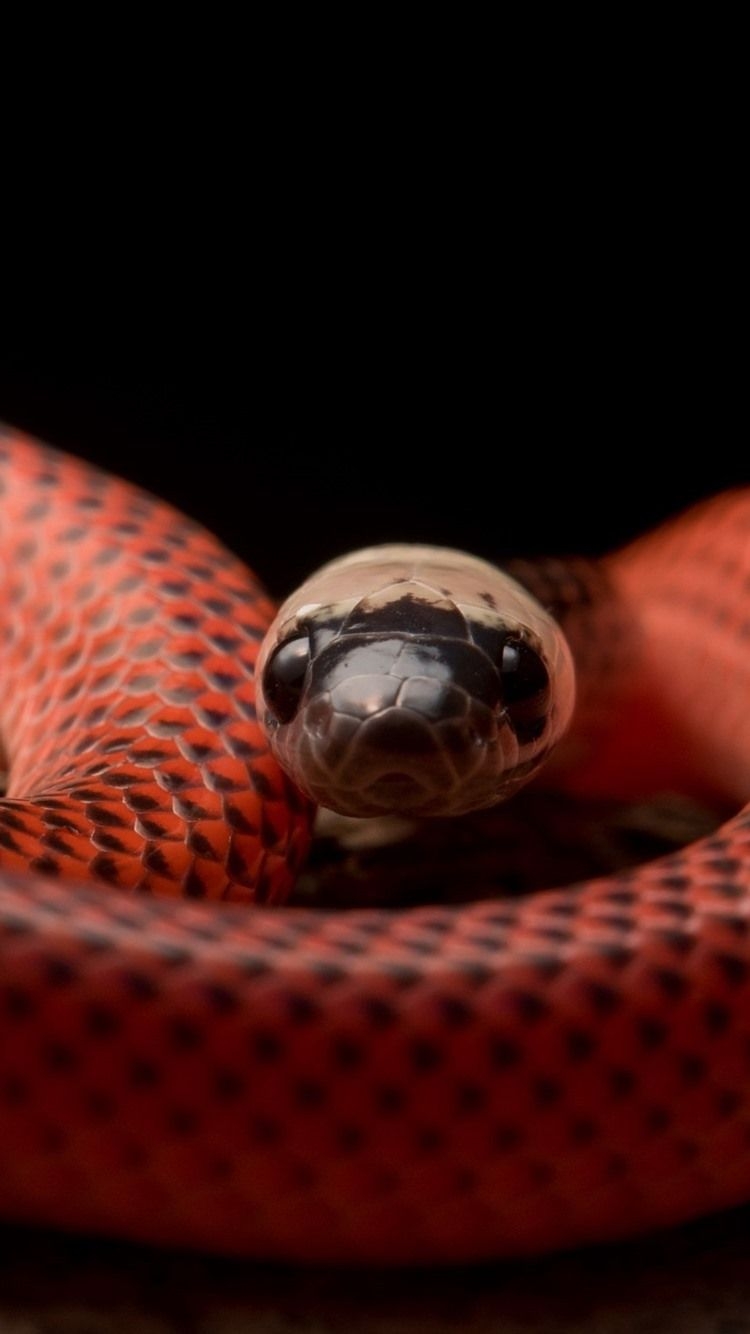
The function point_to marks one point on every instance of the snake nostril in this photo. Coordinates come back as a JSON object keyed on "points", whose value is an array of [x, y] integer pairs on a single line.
{"points": [[465, 736], [475, 738], [481, 726], [318, 717]]}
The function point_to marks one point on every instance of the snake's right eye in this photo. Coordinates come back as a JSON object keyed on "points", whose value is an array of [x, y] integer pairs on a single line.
{"points": [[284, 678]]}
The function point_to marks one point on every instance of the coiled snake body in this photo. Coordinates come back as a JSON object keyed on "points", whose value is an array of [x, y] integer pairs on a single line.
{"points": [[183, 1062]]}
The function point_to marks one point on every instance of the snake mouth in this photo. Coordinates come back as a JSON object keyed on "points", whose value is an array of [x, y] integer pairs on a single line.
{"points": [[396, 789]]}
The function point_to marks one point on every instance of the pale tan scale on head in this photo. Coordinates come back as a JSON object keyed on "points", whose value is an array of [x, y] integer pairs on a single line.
{"points": [[413, 679]]}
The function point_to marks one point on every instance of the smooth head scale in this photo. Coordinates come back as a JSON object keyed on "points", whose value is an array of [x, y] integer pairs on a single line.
{"points": [[413, 679]]}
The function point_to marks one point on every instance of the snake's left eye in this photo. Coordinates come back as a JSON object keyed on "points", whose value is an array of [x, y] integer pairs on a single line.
{"points": [[285, 676], [525, 689]]}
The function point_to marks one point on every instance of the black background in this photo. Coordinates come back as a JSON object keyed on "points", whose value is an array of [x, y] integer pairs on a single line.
{"points": [[574, 450], [516, 332]]}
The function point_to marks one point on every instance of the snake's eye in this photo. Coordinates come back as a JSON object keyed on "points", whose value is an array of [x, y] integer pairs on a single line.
{"points": [[525, 689], [284, 678]]}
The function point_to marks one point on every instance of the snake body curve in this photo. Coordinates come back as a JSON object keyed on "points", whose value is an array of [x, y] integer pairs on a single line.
{"points": [[184, 1063]]}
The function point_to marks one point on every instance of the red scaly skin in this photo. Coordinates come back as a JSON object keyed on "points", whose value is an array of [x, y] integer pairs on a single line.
{"points": [[438, 1084]]}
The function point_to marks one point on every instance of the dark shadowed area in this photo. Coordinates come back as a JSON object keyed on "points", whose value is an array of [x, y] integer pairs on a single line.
{"points": [[303, 461], [695, 1280]]}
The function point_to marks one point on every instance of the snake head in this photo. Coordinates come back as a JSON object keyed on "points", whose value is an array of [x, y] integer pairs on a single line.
{"points": [[414, 680]]}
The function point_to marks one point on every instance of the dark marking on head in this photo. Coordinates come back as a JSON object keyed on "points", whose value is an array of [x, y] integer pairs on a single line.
{"points": [[407, 615]]}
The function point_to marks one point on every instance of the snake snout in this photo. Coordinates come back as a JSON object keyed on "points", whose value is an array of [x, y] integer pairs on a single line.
{"points": [[404, 760], [378, 743]]}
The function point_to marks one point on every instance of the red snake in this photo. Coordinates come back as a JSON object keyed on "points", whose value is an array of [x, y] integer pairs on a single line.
{"points": [[183, 1061]]}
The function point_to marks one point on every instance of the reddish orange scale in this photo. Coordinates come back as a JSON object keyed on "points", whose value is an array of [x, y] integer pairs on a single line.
{"points": [[440, 1084]]}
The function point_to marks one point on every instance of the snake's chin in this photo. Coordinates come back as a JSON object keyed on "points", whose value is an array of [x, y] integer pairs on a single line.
{"points": [[407, 796]]}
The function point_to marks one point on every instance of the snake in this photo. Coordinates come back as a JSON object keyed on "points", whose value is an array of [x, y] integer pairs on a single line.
{"points": [[187, 1060]]}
